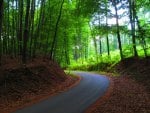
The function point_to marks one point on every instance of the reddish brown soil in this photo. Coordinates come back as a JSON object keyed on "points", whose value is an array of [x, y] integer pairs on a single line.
{"points": [[23, 85], [127, 97], [131, 92], [137, 69]]}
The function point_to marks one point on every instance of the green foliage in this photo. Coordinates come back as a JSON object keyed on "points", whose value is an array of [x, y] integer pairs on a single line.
{"points": [[82, 31]]}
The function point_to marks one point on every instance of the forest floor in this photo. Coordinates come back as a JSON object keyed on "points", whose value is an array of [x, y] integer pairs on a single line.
{"points": [[22, 85], [25, 85], [130, 91]]}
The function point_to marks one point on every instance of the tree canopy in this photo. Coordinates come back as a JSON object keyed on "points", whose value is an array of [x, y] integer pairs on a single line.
{"points": [[74, 31]]}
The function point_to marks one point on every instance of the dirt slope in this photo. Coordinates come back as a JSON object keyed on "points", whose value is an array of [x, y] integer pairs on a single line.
{"points": [[20, 85], [137, 69], [131, 90]]}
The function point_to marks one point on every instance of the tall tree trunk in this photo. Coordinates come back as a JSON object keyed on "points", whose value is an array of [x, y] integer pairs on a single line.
{"points": [[17, 29], [66, 49], [108, 50], [118, 31], [56, 29], [95, 44], [100, 41], [1, 19], [32, 26], [132, 22], [107, 38], [43, 18], [49, 29], [141, 36], [13, 33], [37, 33], [8, 30], [86, 48], [5, 38], [100, 46], [26, 33], [20, 31], [76, 56]]}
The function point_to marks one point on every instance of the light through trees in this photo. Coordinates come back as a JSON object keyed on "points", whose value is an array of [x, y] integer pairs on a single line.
{"points": [[74, 31]]}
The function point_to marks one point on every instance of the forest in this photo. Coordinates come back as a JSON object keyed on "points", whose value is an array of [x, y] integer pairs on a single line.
{"points": [[74, 31], [50, 36]]}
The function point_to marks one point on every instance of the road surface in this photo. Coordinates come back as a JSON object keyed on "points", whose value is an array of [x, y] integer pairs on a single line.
{"points": [[75, 100]]}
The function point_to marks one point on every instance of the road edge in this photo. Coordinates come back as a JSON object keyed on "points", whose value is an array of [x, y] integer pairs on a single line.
{"points": [[44, 97], [102, 99]]}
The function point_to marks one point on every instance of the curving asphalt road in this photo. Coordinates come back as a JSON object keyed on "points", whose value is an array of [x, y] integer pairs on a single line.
{"points": [[75, 100]]}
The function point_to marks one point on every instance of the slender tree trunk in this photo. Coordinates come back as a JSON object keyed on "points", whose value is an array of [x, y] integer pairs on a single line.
{"points": [[46, 46], [49, 29], [95, 44], [13, 33], [66, 49], [141, 35], [37, 33], [143, 42], [108, 51], [26, 33], [100, 41], [4, 41], [118, 31], [8, 30], [1, 19], [43, 18], [32, 26], [56, 29], [107, 38], [86, 48], [76, 56], [17, 29], [132, 22], [100, 45], [20, 31]]}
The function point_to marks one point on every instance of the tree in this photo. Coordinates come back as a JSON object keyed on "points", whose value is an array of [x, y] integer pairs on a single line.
{"points": [[142, 32], [26, 33], [1, 19], [114, 2], [56, 29], [132, 23], [39, 24], [106, 16], [72, 30], [31, 26], [20, 28], [95, 42]]}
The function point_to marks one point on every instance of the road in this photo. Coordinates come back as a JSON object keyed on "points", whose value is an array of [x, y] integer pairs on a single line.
{"points": [[75, 100]]}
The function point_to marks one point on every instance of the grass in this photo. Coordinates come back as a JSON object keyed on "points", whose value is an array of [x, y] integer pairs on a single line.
{"points": [[69, 73]]}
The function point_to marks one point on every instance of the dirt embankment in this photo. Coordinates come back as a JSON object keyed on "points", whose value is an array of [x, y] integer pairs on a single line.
{"points": [[131, 90], [24, 85], [137, 69]]}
